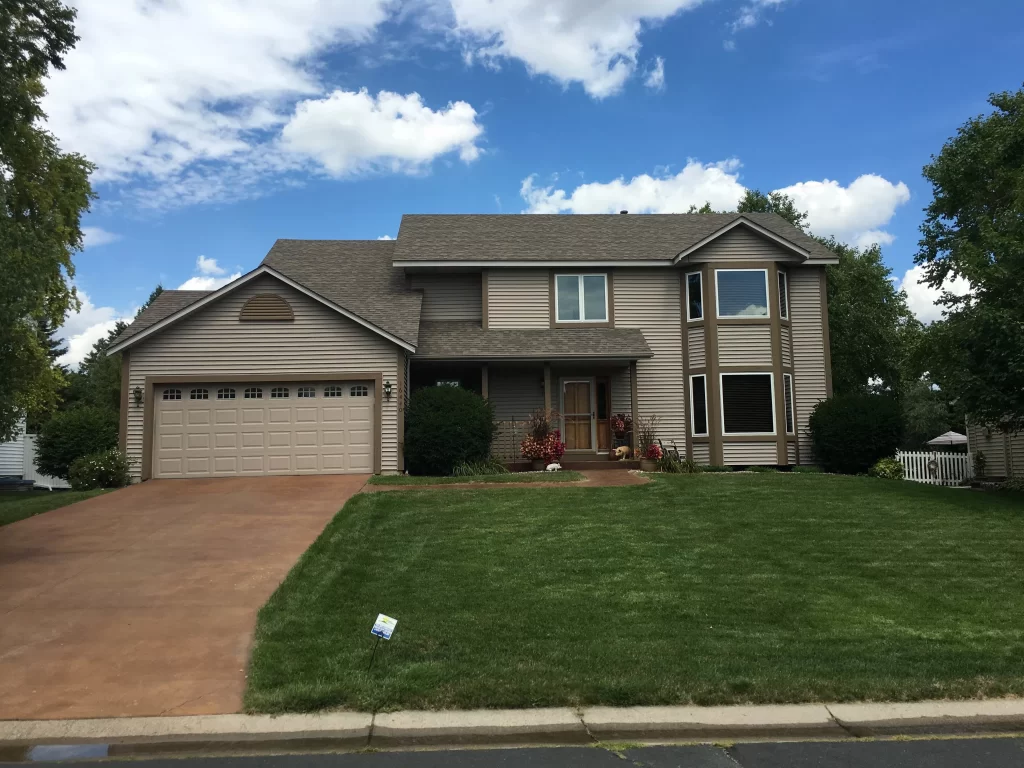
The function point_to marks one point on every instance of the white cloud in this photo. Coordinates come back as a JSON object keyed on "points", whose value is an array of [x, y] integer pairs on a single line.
{"points": [[84, 328], [854, 214], [591, 42], [385, 237], [752, 13], [697, 183], [207, 266], [922, 298], [350, 132], [656, 75], [207, 282], [93, 237]]}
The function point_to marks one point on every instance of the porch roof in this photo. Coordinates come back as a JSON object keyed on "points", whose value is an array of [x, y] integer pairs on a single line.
{"points": [[468, 341]]}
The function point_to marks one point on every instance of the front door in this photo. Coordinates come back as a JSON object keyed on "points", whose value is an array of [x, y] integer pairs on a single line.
{"points": [[577, 415]]}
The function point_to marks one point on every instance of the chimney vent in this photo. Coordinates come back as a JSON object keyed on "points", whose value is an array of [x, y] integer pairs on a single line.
{"points": [[623, 212]]}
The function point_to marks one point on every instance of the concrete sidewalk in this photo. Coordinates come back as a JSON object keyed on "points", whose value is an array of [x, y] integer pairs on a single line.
{"points": [[530, 726]]}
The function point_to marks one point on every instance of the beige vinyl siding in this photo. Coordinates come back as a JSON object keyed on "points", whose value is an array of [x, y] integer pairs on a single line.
{"points": [[787, 352], [317, 342], [808, 349], [993, 445], [449, 296], [622, 395], [702, 453], [744, 345], [742, 244], [650, 300], [518, 298], [696, 345], [516, 392], [791, 453], [750, 453]]}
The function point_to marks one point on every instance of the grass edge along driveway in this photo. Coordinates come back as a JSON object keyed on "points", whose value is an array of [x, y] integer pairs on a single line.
{"points": [[513, 478], [692, 589], [19, 505]]}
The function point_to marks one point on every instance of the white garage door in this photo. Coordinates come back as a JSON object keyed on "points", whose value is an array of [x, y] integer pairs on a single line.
{"points": [[272, 428]]}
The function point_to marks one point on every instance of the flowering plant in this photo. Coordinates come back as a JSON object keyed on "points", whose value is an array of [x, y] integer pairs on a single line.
{"points": [[621, 424], [653, 452], [549, 448]]}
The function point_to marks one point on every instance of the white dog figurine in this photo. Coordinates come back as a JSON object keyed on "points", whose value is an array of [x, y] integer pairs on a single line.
{"points": [[553, 467]]}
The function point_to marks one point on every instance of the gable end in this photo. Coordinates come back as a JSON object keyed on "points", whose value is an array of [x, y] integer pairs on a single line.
{"points": [[266, 307]]}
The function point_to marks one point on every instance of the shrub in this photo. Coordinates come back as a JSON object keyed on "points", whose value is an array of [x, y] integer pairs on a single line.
{"points": [[851, 432], [106, 469], [647, 432], [486, 467], [654, 452], [72, 434], [543, 441], [980, 464], [889, 469], [673, 464], [445, 427], [1013, 484]]}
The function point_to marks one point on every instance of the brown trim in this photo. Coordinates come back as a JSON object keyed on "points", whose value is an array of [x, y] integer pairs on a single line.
{"points": [[776, 342], [687, 400], [122, 430], [750, 439], [485, 381], [727, 369], [609, 295], [825, 333], [400, 406], [485, 285], [547, 387], [713, 386], [376, 377], [634, 404], [746, 320]]}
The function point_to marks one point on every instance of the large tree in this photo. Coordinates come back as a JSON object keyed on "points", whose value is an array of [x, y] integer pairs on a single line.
{"points": [[974, 228], [43, 193], [755, 201]]}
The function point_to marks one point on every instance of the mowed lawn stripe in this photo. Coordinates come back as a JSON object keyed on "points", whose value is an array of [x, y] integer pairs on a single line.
{"points": [[692, 589]]}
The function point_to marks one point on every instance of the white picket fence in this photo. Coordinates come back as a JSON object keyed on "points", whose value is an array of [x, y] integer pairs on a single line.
{"points": [[936, 467]]}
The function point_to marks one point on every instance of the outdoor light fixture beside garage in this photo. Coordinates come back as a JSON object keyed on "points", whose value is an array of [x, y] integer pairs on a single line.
{"points": [[387, 390], [137, 394]]}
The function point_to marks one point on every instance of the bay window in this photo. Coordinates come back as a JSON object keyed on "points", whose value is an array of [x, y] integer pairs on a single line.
{"points": [[748, 404], [783, 297], [742, 292], [698, 406], [694, 297], [581, 298]]}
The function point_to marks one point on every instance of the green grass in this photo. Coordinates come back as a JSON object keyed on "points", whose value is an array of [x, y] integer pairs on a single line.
{"points": [[17, 505], [691, 589], [564, 476]]}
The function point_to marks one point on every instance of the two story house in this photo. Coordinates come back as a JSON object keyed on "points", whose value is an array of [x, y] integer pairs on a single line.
{"points": [[715, 323]]}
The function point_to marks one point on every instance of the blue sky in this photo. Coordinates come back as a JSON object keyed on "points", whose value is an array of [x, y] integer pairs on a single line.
{"points": [[218, 127]]}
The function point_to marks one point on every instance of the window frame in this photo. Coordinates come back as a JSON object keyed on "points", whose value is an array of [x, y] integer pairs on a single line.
{"points": [[783, 280], [257, 393], [721, 403], [333, 391], [578, 276], [287, 393], [358, 390], [226, 393], [789, 404], [700, 275], [199, 393], [767, 295], [305, 392], [707, 420], [174, 392]]}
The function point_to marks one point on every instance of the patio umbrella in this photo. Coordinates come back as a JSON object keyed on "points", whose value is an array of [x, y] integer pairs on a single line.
{"points": [[950, 438]]}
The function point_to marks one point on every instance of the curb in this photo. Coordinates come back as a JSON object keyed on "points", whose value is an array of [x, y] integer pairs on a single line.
{"points": [[355, 730]]}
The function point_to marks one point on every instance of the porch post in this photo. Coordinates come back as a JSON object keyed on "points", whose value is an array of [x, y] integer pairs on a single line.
{"points": [[483, 381], [632, 403], [547, 386]]}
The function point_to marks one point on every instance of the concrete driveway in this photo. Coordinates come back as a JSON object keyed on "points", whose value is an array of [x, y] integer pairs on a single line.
{"points": [[143, 601]]}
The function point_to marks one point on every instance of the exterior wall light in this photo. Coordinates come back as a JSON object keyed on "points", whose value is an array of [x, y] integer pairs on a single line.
{"points": [[137, 394], [387, 390]]}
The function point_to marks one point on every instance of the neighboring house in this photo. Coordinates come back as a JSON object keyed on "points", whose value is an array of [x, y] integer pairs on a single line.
{"points": [[715, 323], [1004, 451], [18, 462]]}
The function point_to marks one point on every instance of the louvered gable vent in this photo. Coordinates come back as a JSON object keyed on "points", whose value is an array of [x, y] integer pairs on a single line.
{"points": [[266, 307]]}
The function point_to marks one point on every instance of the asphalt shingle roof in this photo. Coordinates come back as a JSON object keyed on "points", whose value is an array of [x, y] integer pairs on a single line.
{"points": [[577, 237], [164, 305], [356, 275], [468, 340]]}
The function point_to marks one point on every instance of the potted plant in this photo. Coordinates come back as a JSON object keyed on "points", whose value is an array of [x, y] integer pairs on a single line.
{"points": [[650, 450], [622, 432], [543, 442]]}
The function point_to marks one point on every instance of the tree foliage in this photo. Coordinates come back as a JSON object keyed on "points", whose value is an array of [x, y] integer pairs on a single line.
{"points": [[974, 228], [43, 193], [97, 382], [850, 432], [69, 435], [755, 201], [445, 427]]}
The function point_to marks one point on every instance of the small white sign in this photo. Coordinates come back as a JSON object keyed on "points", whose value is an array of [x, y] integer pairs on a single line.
{"points": [[383, 626]]}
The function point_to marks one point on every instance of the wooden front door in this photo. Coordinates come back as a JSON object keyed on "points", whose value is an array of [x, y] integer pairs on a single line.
{"points": [[577, 416]]}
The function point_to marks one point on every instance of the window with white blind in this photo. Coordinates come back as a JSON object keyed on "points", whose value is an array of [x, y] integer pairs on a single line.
{"points": [[742, 292], [748, 404]]}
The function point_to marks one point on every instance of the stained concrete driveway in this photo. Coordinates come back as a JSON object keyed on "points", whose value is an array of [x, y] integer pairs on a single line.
{"points": [[143, 601]]}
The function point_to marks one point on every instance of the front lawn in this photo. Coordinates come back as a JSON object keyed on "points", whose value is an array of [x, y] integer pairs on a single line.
{"points": [[691, 589], [563, 476], [17, 505]]}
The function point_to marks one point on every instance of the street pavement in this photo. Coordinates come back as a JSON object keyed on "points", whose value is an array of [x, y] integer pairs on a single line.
{"points": [[993, 752]]}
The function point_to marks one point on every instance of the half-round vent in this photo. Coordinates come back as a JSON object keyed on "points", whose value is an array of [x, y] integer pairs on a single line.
{"points": [[266, 307]]}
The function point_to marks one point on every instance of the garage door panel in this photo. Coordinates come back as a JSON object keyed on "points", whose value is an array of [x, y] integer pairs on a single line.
{"points": [[267, 435]]}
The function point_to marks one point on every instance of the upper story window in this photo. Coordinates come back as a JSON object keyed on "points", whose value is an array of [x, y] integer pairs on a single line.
{"points": [[742, 292], [581, 298], [783, 296], [694, 297]]}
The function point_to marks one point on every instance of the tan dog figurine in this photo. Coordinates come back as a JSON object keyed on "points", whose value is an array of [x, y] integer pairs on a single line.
{"points": [[623, 452]]}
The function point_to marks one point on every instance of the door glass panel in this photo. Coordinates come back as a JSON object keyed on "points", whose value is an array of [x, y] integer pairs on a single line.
{"points": [[602, 400], [577, 416]]}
